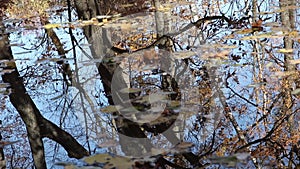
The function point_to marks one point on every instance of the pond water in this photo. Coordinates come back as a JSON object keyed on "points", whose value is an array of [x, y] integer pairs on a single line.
{"points": [[184, 85]]}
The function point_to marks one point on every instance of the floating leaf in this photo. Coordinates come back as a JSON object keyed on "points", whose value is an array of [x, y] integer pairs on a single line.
{"points": [[257, 25], [8, 64], [99, 158], [183, 54], [52, 25], [147, 118], [256, 85], [293, 34], [269, 64], [230, 36], [260, 36], [132, 109], [164, 8], [228, 46], [296, 91], [285, 50], [242, 156], [109, 143], [110, 109], [117, 162], [174, 103], [296, 61], [244, 31], [185, 145], [127, 5], [155, 97], [92, 21], [284, 74], [230, 161], [130, 90], [156, 151]]}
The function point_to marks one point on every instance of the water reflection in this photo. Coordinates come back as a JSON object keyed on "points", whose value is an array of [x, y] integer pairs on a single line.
{"points": [[221, 90]]}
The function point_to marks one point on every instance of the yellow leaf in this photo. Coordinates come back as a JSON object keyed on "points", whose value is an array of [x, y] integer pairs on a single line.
{"points": [[52, 25], [104, 20], [293, 34], [285, 50]]}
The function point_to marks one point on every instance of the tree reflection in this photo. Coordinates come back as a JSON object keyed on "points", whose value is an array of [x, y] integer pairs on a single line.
{"points": [[179, 85]]}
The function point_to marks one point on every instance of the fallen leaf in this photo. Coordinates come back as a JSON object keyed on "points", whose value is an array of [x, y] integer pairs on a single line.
{"points": [[183, 54], [110, 109], [130, 90], [117, 162], [107, 144], [296, 91], [52, 25], [285, 50], [296, 61]]}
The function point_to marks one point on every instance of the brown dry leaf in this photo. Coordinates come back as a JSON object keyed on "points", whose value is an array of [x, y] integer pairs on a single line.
{"points": [[27, 9], [220, 55], [155, 151], [8, 64], [231, 36], [244, 31], [126, 26], [183, 54], [284, 74], [185, 145], [223, 55], [4, 71], [257, 24], [296, 61]]}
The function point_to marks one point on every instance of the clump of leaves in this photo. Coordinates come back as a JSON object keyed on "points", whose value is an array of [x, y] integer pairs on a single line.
{"points": [[109, 161], [25, 9], [3, 6]]}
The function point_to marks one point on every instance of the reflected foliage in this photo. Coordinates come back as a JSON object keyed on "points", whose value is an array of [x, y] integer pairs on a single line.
{"points": [[210, 84]]}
